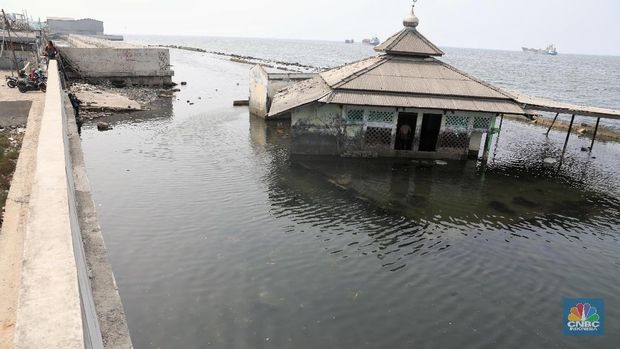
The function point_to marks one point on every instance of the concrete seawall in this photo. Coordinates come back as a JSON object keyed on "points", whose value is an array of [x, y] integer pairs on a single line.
{"points": [[95, 59], [64, 295]]}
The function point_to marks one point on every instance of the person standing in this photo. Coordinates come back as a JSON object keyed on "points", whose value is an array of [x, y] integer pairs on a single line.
{"points": [[50, 50]]}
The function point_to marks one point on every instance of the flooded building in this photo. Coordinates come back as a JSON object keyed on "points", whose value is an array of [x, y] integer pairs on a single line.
{"points": [[404, 102], [265, 82]]}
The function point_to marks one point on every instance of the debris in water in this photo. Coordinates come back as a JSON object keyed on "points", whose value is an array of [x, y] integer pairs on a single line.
{"points": [[241, 102], [550, 161], [441, 162], [103, 126]]}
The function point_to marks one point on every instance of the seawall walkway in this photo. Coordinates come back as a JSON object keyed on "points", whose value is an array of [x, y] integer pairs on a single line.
{"points": [[63, 293]]}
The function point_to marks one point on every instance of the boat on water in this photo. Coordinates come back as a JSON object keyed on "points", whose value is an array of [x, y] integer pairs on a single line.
{"points": [[349, 41], [550, 50], [374, 41]]}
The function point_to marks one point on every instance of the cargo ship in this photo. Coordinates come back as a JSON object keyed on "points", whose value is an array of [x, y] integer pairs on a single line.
{"points": [[550, 50]]}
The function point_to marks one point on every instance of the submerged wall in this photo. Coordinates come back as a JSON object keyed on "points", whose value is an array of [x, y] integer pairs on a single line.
{"points": [[264, 85], [360, 131], [316, 129]]}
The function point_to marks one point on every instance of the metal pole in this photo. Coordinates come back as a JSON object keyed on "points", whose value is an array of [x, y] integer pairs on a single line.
{"points": [[598, 121], [553, 123], [570, 128]]}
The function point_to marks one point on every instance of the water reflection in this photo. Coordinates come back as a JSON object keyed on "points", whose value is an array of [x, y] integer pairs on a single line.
{"points": [[395, 208]]}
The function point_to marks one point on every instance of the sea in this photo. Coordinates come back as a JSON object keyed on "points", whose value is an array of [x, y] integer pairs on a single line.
{"points": [[219, 237]]}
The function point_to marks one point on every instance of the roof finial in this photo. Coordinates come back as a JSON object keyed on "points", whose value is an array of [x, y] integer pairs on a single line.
{"points": [[411, 21]]}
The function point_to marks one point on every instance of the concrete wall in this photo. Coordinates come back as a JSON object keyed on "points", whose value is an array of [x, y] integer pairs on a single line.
{"points": [[66, 286], [258, 91], [141, 66], [49, 313], [23, 57], [77, 26], [264, 85], [106, 62], [316, 129]]}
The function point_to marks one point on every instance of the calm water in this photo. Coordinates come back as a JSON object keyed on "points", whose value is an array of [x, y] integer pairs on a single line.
{"points": [[577, 79], [219, 238]]}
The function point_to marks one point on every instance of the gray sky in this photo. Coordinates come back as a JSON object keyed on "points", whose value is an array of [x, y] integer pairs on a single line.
{"points": [[573, 26]]}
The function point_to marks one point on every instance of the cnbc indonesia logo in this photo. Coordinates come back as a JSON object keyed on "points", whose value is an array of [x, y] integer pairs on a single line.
{"points": [[584, 317]]}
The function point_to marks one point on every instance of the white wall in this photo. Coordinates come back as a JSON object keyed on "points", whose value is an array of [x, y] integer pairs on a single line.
{"points": [[119, 62]]}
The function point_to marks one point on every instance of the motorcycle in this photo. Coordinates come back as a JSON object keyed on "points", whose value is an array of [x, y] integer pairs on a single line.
{"points": [[35, 82], [11, 81], [25, 85]]}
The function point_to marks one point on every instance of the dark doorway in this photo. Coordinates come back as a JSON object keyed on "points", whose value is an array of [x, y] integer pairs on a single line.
{"points": [[431, 124], [405, 131]]}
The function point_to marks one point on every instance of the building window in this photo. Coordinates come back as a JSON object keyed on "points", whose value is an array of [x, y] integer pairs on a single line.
{"points": [[381, 116], [457, 122], [454, 140], [378, 136], [355, 116], [482, 123]]}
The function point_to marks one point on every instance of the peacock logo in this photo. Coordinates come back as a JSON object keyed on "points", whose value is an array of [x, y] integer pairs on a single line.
{"points": [[583, 312], [584, 317]]}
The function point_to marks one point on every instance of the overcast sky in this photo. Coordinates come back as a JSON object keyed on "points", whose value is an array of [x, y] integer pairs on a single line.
{"points": [[573, 26]]}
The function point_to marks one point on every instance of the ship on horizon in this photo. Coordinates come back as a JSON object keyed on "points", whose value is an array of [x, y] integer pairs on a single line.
{"points": [[374, 41], [550, 50]]}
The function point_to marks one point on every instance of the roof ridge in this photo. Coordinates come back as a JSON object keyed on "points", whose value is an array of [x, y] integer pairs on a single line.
{"points": [[398, 37], [428, 42]]}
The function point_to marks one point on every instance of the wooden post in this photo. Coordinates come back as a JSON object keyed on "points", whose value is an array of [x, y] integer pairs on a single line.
{"points": [[487, 146], [598, 121], [8, 30], [553, 123], [570, 128], [501, 123]]}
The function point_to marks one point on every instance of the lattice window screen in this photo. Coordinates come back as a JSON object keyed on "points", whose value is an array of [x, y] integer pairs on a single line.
{"points": [[380, 116], [378, 136], [454, 140], [482, 123], [457, 122], [355, 116]]}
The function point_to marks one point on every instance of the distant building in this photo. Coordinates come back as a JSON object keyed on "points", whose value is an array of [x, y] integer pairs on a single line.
{"points": [[86, 26]]}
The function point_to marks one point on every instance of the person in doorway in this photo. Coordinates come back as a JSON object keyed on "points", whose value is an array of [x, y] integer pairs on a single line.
{"points": [[50, 51], [403, 138]]}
